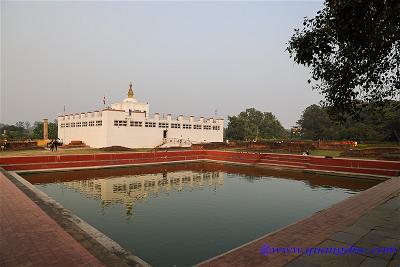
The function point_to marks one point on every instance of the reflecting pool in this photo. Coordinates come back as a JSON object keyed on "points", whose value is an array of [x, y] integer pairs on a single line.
{"points": [[182, 214]]}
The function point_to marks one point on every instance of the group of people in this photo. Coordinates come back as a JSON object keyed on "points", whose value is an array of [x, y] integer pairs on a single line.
{"points": [[3, 145], [53, 144]]}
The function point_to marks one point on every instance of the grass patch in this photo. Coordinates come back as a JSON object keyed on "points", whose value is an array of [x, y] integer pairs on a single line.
{"points": [[330, 153], [377, 145]]}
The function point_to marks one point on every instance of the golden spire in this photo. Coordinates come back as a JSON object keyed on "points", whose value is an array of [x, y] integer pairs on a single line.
{"points": [[130, 91]]}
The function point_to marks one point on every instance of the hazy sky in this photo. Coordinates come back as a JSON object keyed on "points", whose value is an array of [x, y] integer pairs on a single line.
{"points": [[187, 58]]}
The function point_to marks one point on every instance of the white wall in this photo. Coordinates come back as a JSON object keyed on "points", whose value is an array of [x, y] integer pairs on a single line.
{"points": [[137, 137], [93, 136]]}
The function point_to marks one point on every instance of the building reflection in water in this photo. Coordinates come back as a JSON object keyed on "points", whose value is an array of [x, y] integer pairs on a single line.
{"points": [[129, 189]]}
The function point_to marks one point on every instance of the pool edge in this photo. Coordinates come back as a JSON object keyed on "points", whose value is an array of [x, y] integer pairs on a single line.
{"points": [[279, 237], [95, 241]]}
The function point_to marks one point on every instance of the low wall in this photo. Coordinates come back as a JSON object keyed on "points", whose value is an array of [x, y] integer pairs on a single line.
{"points": [[20, 145], [310, 163]]}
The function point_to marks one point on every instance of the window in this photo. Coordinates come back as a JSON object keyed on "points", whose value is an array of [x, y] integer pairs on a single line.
{"points": [[197, 126], [136, 185], [207, 127], [216, 127], [78, 124], [119, 188], [136, 123], [72, 124], [91, 123], [67, 124], [99, 123], [163, 125], [175, 125], [215, 174], [187, 126], [149, 124], [120, 123], [62, 125], [84, 123]]}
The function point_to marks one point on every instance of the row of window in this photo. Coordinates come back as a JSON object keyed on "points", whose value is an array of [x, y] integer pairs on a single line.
{"points": [[120, 123], [148, 124], [165, 181], [140, 124], [81, 124]]}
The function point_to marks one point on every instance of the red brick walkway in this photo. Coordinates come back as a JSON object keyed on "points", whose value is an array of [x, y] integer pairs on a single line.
{"points": [[29, 237]]}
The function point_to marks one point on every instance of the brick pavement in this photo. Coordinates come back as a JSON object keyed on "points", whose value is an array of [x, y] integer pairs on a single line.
{"points": [[378, 228], [313, 231], [29, 237]]}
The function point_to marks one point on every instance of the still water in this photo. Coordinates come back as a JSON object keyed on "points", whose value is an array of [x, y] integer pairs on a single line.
{"points": [[180, 215]]}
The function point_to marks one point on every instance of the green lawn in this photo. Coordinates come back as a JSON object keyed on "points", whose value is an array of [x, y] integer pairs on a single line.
{"points": [[330, 153], [377, 145]]}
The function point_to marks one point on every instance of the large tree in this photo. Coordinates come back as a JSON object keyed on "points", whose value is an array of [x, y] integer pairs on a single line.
{"points": [[253, 124], [353, 50], [315, 123], [369, 126]]}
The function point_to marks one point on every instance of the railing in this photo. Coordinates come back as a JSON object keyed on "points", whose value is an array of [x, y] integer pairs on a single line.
{"points": [[177, 141], [174, 141]]}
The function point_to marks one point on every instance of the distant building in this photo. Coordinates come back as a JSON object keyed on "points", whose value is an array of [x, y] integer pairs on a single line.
{"points": [[132, 188], [129, 124]]}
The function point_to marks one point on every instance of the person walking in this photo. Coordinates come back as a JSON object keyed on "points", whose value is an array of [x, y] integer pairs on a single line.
{"points": [[55, 144], [50, 144]]}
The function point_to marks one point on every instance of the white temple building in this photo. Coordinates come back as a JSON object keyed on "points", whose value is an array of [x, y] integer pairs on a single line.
{"points": [[129, 124], [132, 188]]}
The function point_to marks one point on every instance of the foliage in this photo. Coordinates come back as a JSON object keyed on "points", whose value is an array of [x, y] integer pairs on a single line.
{"points": [[38, 130], [373, 123], [253, 124], [24, 130], [353, 50], [20, 130]]}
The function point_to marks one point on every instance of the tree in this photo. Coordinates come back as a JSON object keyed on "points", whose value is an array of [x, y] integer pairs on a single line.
{"points": [[353, 50], [253, 124], [27, 125], [19, 124], [17, 131], [53, 129], [370, 125], [38, 130], [315, 123]]}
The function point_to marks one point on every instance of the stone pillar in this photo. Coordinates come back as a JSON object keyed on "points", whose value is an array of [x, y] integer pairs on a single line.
{"points": [[45, 129]]}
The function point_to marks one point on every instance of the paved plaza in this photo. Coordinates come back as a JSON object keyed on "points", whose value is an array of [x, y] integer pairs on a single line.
{"points": [[29, 237], [380, 227]]}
